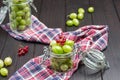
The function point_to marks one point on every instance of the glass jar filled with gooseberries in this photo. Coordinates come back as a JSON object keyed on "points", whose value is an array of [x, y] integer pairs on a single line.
{"points": [[19, 15], [61, 54]]}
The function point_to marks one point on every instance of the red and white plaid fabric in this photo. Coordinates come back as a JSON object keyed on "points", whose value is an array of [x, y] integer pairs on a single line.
{"points": [[90, 36]]}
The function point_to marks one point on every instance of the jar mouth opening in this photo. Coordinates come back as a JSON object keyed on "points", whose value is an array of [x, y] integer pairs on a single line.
{"points": [[26, 2], [64, 55]]}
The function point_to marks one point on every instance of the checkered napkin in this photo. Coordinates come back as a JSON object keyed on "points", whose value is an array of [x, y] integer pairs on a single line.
{"points": [[90, 36]]}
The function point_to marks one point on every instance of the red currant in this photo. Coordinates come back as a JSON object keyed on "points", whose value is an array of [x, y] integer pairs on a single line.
{"points": [[20, 53], [19, 50], [26, 47], [61, 39], [23, 51]]}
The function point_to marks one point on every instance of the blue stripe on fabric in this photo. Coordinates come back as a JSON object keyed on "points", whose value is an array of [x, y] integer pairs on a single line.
{"points": [[101, 42], [45, 30], [53, 78], [16, 77], [30, 64], [20, 37], [36, 22], [50, 34], [56, 78], [56, 30], [96, 37], [34, 67], [76, 33]]}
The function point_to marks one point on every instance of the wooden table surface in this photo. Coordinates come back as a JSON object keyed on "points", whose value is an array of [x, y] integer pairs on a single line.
{"points": [[53, 13]]}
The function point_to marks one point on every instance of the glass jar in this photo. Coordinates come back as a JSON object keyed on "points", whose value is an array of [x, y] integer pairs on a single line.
{"points": [[94, 60], [61, 62], [19, 15]]}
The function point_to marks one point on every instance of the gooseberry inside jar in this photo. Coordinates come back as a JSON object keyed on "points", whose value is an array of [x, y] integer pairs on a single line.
{"points": [[61, 62], [19, 15], [62, 51]]}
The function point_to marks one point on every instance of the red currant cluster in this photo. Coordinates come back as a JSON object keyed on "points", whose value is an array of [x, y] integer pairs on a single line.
{"points": [[61, 40], [22, 51]]}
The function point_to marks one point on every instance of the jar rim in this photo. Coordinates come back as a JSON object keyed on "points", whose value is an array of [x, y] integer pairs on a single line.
{"points": [[26, 2], [69, 54]]}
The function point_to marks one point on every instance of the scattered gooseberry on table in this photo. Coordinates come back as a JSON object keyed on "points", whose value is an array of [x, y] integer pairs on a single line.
{"points": [[76, 22], [80, 16], [8, 61], [69, 23], [73, 15], [91, 9], [81, 10], [1, 63], [4, 71]]}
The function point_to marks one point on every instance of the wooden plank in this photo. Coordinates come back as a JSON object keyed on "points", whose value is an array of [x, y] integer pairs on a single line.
{"points": [[116, 4], [98, 17], [3, 37], [89, 74], [6, 49], [106, 12], [38, 4], [38, 48], [3, 34], [79, 74], [10, 49], [112, 52], [72, 6], [53, 13], [23, 59]]}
